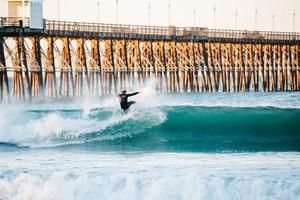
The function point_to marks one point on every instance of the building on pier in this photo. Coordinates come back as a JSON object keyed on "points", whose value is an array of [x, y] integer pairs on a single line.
{"points": [[21, 9]]}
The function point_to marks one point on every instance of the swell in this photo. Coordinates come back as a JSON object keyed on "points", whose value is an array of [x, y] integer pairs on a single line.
{"points": [[164, 128], [217, 129]]}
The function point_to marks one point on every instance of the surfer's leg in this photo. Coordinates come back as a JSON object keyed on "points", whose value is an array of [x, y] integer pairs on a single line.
{"points": [[125, 109], [130, 103]]}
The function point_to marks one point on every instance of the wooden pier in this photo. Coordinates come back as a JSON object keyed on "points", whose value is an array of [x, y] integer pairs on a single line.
{"points": [[75, 59]]}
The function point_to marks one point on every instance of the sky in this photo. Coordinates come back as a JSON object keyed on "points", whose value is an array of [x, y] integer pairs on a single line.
{"points": [[182, 13]]}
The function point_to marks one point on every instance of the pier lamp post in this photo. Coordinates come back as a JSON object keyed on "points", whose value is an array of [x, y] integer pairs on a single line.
{"points": [[149, 13], [23, 9], [273, 22], [194, 12], [117, 11], [255, 19], [215, 16], [2, 8], [169, 5], [235, 18], [58, 10], [98, 10], [294, 15]]}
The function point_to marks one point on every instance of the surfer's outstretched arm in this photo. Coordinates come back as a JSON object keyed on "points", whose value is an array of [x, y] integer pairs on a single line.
{"points": [[132, 94]]}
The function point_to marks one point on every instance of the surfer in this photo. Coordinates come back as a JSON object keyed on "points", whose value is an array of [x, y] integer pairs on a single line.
{"points": [[123, 97]]}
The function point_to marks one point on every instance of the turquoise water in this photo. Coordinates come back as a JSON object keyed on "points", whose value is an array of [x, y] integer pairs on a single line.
{"points": [[184, 146]]}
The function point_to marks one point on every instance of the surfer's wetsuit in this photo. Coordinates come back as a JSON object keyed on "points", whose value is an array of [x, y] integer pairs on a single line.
{"points": [[124, 100]]}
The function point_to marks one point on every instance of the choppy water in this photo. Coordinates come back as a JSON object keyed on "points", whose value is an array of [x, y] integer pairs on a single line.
{"points": [[192, 146]]}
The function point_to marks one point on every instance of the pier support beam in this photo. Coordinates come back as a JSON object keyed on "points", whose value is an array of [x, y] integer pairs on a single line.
{"points": [[4, 86], [22, 48], [179, 63]]}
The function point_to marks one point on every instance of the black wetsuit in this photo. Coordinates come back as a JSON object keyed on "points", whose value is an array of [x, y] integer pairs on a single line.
{"points": [[124, 100]]}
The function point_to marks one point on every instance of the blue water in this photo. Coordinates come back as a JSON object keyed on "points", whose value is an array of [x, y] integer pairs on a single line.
{"points": [[184, 146]]}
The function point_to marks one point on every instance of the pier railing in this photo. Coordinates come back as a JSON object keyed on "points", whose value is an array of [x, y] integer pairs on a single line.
{"points": [[168, 30], [14, 21], [52, 25]]}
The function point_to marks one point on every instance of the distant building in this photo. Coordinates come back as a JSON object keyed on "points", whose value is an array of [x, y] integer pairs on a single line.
{"points": [[32, 9], [18, 8]]}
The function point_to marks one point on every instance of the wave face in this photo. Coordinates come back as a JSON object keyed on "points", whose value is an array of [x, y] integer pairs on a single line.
{"points": [[193, 123]]}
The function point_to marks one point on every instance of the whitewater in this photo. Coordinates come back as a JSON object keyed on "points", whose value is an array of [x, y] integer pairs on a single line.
{"points": [[169, 146]]}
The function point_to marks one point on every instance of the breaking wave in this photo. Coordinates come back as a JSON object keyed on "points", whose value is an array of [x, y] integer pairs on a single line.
{"points": [[211, 122]]}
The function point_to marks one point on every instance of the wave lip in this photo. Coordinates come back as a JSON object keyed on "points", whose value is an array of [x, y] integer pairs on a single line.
{"points": [[58, 127]]}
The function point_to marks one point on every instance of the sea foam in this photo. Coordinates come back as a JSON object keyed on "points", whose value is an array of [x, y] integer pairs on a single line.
{"points": [[79, 176]]}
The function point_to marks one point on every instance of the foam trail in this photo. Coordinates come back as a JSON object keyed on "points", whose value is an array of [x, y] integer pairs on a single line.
{"points": [[54, 128], [189, 186]]}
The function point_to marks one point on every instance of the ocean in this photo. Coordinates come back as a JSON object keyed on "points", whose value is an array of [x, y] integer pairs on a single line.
{"points": [[168, 146]]}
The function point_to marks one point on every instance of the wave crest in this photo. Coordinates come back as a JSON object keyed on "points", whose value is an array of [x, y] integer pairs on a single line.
{"points": [[46, 129]]}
